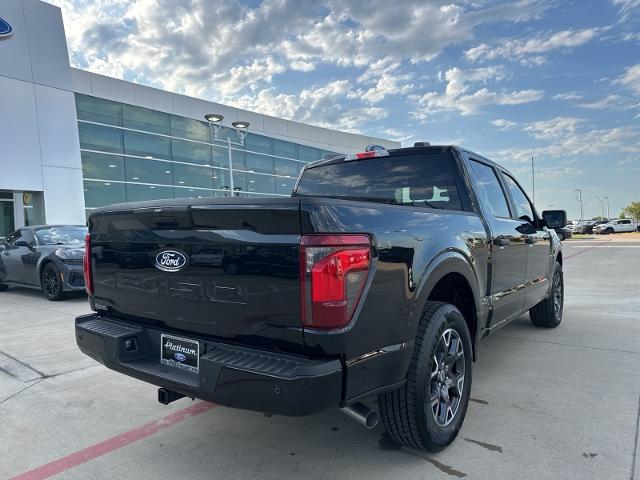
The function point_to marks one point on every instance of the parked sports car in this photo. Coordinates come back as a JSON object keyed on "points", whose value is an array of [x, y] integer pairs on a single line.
{"points": [[47, 257]]}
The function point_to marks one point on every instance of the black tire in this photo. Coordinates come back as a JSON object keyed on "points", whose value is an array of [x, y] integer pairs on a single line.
{"points": [[408, 412], [561, 236], [51, 282], [609, 231], [3, 287], [548, 313]]}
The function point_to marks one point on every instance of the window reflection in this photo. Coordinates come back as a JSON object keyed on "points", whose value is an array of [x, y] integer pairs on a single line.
{"points": [[191, 152], [99, 194], [260, 183], [98, 110], [285, 149], [188, 128], [259, 163], [145, 145], [148, 171], [308, 154], [139, 193], [289, 168], [284, 186], [258, 143], [139, 118], [96, 137], [192, 176], [100, 165]]}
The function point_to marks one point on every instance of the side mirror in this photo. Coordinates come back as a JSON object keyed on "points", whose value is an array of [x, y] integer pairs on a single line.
{"points": [[555, 218], [23, 243]]}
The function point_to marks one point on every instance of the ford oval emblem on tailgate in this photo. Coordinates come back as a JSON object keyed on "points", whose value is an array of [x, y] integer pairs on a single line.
{"points": [[170, 261]]}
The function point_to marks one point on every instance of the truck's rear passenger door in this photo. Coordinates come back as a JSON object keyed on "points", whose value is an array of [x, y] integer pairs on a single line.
{"points": [[508, 252]]}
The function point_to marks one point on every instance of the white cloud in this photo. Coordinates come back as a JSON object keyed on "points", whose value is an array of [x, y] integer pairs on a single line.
{"points": [[568, 142], [324, 106], [388, 83], [553, 128], [461, 97], [302, 66], [568, 96], [503, 124], [243, 76], [398, 135], [612, 101], [530, 51], [627, 7], [630, 79]]}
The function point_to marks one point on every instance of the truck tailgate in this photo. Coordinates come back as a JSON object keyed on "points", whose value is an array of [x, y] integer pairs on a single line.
{"points": [[225, 268]]}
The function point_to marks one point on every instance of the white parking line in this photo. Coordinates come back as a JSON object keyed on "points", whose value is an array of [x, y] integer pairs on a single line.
{"points": [[605, 246]]}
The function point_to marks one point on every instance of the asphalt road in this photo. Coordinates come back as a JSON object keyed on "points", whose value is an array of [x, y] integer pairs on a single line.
{"points": [[560, 403]]}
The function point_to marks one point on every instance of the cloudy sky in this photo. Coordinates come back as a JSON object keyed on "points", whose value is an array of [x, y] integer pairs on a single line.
{"points": [[559, 80]]}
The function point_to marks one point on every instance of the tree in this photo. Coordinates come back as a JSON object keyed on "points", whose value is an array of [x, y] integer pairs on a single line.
{"points": [[622, 215], [633, 210]]}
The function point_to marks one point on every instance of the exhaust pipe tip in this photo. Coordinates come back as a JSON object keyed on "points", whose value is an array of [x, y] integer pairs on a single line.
{"points": [[362, 414], [372, 419]]}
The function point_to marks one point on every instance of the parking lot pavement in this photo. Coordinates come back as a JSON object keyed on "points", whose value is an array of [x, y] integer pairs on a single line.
{"points": [[560, 403]]}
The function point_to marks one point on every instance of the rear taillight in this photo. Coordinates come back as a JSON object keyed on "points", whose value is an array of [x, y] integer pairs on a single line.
{"points": [[334, 270], [86, 265]]}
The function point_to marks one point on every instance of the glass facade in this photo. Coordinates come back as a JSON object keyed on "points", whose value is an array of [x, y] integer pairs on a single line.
{"points": [[132, 153]]}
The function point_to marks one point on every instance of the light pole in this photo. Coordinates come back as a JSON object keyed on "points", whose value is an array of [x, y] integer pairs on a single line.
{"points": [[241, 129], [533, 182], [215, 124], [608, 212], [601, 207], [579, 198]]}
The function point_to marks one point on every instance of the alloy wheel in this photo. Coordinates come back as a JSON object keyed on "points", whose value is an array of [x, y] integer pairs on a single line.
{"points": [[50, 282], [447, 377], [557, 295]]}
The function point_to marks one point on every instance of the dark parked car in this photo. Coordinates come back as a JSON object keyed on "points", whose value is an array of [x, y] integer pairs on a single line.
{"points": [[376, 279], [563, 233], [48, 257]]}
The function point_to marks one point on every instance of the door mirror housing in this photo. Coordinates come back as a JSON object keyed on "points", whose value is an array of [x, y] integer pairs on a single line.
{"points": [[23, 243], [555, 218]]}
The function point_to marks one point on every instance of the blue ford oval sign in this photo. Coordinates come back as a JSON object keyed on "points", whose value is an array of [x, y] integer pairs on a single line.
{"points": [[6, 30], [170, 260], [180, 357]]}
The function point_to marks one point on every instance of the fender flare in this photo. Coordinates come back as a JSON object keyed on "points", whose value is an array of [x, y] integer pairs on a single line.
{"points": [[444, 263]]}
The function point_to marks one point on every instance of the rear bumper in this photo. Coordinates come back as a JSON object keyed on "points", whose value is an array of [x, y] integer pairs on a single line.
{"points": [[229, 375]]}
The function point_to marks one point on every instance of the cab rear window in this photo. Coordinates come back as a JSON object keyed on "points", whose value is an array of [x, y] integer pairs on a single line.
{"points": [[421, 180]]}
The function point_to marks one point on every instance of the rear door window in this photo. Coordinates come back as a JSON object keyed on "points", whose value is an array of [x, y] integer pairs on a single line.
{"points": [[489, 189], [421, 180]]}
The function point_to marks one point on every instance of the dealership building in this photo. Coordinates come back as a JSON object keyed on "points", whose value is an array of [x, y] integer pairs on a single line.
{"points": [[72, 141]]}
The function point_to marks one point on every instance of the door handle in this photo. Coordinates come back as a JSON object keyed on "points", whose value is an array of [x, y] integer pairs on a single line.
{"points": [[530, 240], [7, 253], [501, 242]]}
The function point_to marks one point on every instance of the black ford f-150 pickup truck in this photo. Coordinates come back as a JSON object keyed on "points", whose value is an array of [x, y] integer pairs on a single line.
{"points": [[375, 279]]}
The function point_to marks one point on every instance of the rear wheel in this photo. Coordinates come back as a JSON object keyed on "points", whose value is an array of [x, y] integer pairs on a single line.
{"points": [[548, 313], [428, 411], [51, 282]]}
